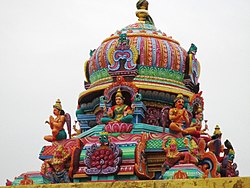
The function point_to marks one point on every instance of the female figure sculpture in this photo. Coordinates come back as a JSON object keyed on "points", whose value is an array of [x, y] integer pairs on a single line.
{"points": [[120, 112]]}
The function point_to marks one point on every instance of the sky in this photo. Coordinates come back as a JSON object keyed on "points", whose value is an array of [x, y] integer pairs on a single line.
{"points": [[44, 44]]}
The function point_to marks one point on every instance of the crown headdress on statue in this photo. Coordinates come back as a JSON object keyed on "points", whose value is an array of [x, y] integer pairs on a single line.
{"points": [[173, 141], [179, 96], [119, 93], [198, 110], [193, 144], [217, 130], [104, 133], [58, 105], [231, 151]]}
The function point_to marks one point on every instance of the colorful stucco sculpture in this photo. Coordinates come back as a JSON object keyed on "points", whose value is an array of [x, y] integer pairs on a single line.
{"points": [[140, 115]]}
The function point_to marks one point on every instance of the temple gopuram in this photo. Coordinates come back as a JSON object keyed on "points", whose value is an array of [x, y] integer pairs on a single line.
{"points": [[139, 120]]}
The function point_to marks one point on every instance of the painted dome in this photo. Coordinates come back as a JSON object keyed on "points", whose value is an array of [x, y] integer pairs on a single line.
{"points": [[154, 47], [160, 62]]}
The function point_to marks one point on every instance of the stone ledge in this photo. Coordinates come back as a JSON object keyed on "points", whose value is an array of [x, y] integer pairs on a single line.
{"points": [[237, 182]]}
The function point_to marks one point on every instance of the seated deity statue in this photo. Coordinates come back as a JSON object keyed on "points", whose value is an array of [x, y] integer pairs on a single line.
{"points": [[120, 112], [179, 117], [56, 124], [173, 156], [192, 155], [196, 123], [26, 180], [77, 131]]}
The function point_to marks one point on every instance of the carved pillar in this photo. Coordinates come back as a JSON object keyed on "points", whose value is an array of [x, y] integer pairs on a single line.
{"points": [[140, 108]]}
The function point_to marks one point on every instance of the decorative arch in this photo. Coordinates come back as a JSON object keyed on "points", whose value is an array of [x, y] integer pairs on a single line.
{"points": [[128, 87]]}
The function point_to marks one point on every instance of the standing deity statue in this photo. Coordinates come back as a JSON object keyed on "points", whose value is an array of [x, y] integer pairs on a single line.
{"points": [[192, 70]]}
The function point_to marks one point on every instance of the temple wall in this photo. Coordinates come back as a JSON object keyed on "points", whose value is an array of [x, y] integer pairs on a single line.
{"points": [[239, 182]]}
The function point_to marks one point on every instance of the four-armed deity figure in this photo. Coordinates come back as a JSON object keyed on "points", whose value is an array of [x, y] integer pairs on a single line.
{"points": [[56, 123], [120, 112]]}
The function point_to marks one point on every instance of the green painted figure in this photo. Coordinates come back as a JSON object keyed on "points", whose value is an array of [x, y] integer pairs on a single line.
{"points": [[119, 112]]}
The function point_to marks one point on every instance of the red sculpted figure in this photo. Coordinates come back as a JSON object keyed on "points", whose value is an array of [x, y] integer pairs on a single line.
{"points": [[178, 115], [26, 180], [56, 123]]}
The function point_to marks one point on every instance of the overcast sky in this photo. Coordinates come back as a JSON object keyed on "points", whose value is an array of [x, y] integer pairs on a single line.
{"points": [[44, 44]]}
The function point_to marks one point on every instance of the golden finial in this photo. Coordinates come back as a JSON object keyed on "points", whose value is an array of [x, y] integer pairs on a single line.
{"points": [[142, 4], [142, 12]]}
